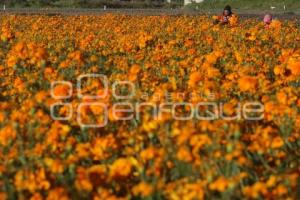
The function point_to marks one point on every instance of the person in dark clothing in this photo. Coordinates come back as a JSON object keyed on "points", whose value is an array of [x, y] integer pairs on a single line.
{"points": [[225, 17]]}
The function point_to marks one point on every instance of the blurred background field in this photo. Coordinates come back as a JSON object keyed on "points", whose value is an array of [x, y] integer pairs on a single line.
{"points": [[276, 5], [279, 5]]}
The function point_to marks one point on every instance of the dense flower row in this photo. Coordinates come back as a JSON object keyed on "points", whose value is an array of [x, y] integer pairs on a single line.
{"points": [[149, 158]]}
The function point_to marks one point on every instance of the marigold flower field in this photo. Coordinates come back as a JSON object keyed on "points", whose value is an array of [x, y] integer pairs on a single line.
{"points": [[148, 158]]}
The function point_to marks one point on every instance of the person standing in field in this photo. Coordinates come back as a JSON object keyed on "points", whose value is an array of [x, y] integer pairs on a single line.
{"points": [[268, 20], [226, 16]]}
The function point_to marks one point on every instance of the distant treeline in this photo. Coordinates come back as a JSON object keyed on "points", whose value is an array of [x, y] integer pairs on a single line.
{"points": [[92, 3]]}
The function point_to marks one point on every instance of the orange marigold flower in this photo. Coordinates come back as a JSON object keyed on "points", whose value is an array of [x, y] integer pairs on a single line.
{"points": [[61, 90], [233, 20], [294, 66], [277, 142], [142, 189], [133, 72], [272, 181], [2, 117], [184, 154], [255, 190], [247, 83], [220, 185], [58, 193], [55, 166], [41, 96], [121, 168], [135, 69], [7, 134], [278, 70], [194, 79], [36, 196], [82, 181], [148, 154], [3, 195], [19, 84], [282, 97], [97, 174], [276, 24], [280, 190]]}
